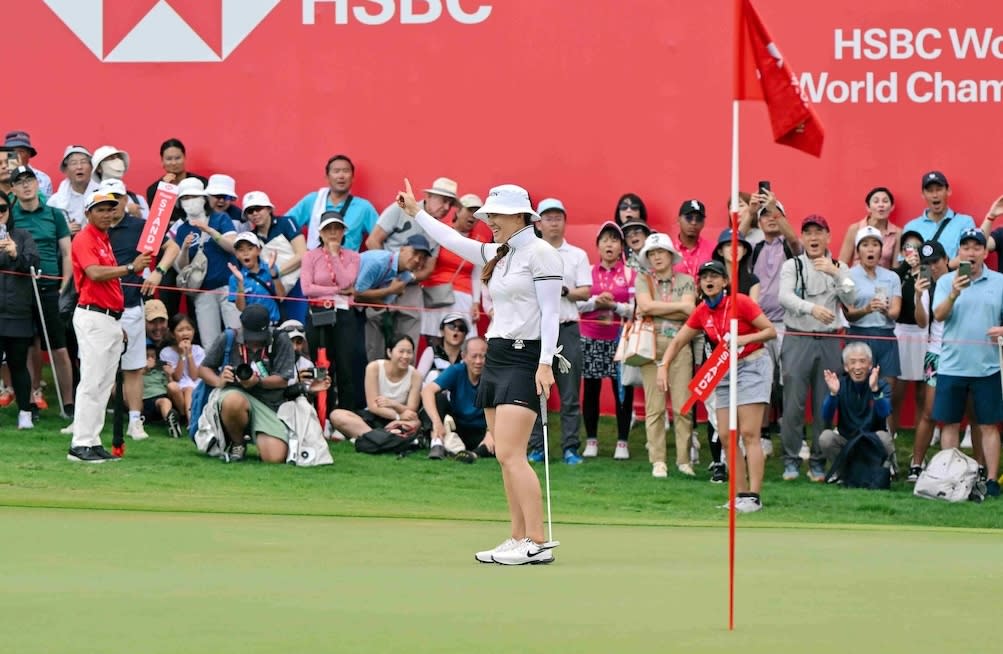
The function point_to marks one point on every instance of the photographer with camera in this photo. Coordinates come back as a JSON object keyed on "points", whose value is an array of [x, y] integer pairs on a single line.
{"points": [[252, 385]]}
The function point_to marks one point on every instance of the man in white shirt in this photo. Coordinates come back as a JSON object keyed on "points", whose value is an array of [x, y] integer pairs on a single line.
{"points": [[71, 196], [577, 287]]}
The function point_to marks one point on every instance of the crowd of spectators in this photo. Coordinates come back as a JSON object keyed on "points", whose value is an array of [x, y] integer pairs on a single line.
{"points": [[391, 319]]}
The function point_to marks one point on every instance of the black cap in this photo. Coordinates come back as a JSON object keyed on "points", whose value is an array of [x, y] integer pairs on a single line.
{"points": [[419, 243], [692, 206], [22, 171], [934, 177], [932, 251], [255, 323], [713, 266]]}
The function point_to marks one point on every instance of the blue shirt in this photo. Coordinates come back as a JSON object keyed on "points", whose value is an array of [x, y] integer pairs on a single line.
{"points": [[377, 268], [866, 286], [860, 410], [462, 397], [217, 274], [361, 218], [254, 287], [281, 226], [951, 235], [967, 351]]}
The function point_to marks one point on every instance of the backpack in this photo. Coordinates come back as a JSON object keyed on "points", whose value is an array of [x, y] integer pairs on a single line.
{"points": [[307, 446], [201, 393], [861, 464], [191, 276], [951, 475], [380, 441]]}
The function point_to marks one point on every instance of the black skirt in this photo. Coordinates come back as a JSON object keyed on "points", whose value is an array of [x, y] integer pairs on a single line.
{"points": [[509, 375]]}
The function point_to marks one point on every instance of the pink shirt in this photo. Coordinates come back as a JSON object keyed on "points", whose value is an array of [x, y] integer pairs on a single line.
{"points": [[323, 275], [692, 258], [604, 325], [889, 242]]}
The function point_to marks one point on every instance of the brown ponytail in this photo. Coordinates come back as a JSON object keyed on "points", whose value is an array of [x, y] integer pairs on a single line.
{"points": [[489, 268]]}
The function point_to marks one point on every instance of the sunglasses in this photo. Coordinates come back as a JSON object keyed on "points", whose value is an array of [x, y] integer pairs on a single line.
{"points": [[458, 326], [627, 206], [254, 209], [4, 208]]}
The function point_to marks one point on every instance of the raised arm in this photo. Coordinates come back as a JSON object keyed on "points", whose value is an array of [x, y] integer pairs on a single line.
{"points": [[473, 251]]}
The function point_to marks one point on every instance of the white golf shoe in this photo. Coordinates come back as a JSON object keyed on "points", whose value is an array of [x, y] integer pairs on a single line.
{"points": [[486, 555], [526, 552]]}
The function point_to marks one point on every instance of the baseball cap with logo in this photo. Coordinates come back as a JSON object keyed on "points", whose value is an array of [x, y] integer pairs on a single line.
{"points": [[868, 232], [419, 243], [255, 323], [247, 237], [551, 204], [100, 197], [71, 150], [692, 206], [814, 219], [712, 266], [443, 186], [934, 177], [931, 252], [251, 200], [471, 201], [22, 171], [972, 234], [112, 186], [154, 310]]}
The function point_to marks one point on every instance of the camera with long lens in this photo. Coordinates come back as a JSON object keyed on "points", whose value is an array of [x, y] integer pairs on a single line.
{"points": [[243, 372]]}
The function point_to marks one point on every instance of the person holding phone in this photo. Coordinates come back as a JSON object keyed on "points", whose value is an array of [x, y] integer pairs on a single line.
{"points": [[911, 338], [970, 303], [524, 275]]}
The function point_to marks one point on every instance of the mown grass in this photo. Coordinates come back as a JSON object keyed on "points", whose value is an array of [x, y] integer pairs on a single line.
{"points": [[161, 474]]}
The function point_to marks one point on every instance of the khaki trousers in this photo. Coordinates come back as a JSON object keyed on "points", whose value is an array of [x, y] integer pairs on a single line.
{"points": [[680, 374]]}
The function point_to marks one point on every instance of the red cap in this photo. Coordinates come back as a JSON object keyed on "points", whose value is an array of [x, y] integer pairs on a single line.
{"points": [[815, 219]]}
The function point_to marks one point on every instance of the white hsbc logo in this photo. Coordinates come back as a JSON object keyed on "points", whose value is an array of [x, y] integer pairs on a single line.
{"points": [[164, 36]]}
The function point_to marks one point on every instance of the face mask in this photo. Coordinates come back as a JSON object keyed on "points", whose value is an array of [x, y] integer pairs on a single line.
{"points": [[112, 169], [193, 207]]}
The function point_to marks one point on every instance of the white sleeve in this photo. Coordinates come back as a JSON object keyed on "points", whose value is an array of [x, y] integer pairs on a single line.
{"points": [[587, 305], [548, 295], [583, 272], [425, 363], [473, 251]]}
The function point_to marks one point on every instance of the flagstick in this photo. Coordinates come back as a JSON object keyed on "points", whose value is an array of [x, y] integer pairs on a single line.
{"points": [[733, 368]]}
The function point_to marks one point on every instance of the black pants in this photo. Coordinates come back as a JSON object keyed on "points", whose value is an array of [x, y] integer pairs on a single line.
{"points": [[341, 341], [590, 408], [16, 350]]}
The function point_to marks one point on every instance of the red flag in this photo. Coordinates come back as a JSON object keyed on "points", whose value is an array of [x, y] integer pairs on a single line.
{"points": [[708, 376], [762, 73]]}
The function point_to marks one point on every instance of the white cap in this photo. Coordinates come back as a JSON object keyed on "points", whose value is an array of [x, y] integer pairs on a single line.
{"points": [[550, 204], [73, 149], [658, 241], [471, 201], [256, 199], [191, 186], [222, 185], [247, 237], [110, 185], [508, 200], [868, 232]]}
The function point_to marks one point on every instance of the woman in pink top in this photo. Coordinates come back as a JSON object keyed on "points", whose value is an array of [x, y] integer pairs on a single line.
{"points": [[328, 279], [601, 314], [880, 204]]}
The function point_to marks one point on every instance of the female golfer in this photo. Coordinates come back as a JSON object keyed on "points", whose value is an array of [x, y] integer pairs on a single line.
{"points": [[524, 275], [755, 371]]}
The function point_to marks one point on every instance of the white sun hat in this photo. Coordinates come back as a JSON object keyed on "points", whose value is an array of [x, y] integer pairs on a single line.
{"points": [[102, 153], [191, 186], [658, 241], [222, 185], [507, 200]]}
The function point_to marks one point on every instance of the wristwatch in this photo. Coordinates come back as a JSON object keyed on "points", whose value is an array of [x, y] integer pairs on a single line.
{"points": [[162, 271], [129, 268]]}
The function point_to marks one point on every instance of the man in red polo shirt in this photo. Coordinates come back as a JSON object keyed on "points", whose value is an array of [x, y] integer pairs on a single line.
{"points": [[96, 323]]}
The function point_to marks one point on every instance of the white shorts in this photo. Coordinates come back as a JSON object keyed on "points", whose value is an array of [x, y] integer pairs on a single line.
{"points": [[432, 318], [912, 351], [134, 325]]}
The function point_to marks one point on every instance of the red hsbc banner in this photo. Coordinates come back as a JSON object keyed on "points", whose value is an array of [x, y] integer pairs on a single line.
{"points": [[159, 219]]}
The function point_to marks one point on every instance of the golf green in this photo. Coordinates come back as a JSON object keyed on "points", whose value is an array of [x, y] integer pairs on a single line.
{"points": [[111, 582]]}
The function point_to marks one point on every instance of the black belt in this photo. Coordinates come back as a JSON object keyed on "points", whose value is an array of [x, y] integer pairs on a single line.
{"points": [[96, 309]]}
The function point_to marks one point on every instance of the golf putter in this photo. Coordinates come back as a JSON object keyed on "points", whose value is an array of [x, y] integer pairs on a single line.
{"points": [[551, 543]]}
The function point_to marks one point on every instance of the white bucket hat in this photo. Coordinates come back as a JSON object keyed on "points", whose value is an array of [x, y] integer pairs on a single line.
{"points": [[658, 241], [73, 149], [104, 152], [222, 185], [443, 186], [255, 199], [507, 200], [191, 186]]}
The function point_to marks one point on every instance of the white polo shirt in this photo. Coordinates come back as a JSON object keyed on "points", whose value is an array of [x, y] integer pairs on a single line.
{"points": [[577, 272], [525, 286]]}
